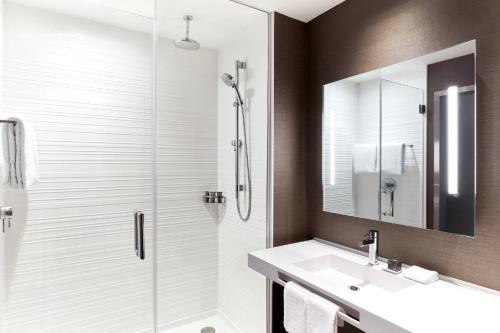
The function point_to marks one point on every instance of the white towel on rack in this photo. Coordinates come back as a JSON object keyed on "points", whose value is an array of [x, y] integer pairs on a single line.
{"points": [[294, 301], [321, 315], [393, 158], [4, 155], [365, 158], [22, 155]]}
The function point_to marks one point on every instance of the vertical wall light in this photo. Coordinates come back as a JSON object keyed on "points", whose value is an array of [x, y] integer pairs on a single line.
{"points": [[332, 149], [452, 141]]}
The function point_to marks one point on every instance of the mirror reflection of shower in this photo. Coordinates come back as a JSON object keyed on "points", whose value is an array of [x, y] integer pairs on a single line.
{"points": [[238, 144]]}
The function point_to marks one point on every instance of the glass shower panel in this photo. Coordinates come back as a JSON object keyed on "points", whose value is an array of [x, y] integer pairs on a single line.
{"points": [[402, 154], [202, 274], [82, 76]]}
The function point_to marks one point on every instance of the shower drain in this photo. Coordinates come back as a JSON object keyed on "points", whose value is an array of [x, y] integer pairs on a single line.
{"points": [[208, 330]]}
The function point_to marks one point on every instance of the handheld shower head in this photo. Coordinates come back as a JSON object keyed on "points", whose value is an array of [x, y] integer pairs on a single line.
{"points": [[228, 80]]}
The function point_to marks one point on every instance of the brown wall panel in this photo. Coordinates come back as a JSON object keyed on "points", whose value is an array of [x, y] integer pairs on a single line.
{"points": [[360, 36], [290, 111]]}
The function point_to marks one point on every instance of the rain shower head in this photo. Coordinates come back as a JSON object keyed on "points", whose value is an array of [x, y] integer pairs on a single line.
{"points": [[228, 79], [187, 43]]}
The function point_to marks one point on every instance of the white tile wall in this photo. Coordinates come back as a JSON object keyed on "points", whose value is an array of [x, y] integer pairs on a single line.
{"points": [[2, 198], [401, 123], [87, 90], [355, 108], [340, 121], [366, 186], [187, 167], [242, 292]]}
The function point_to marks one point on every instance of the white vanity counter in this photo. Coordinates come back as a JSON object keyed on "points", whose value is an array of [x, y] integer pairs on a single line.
{"points": [[385, 302]]}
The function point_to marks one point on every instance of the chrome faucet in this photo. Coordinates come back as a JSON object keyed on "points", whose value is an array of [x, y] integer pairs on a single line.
{"points": [[372, 243]]}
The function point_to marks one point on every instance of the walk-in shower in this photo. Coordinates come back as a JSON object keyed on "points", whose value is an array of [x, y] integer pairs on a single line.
{"points": [[131, 131], [240, 145]]}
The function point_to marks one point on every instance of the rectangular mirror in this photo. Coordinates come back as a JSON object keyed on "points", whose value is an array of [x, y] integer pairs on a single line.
{"points": [[399, 143]]}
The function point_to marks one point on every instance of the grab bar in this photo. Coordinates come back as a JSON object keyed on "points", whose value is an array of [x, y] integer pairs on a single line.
{"points": [[341, 314], [139, 234]]}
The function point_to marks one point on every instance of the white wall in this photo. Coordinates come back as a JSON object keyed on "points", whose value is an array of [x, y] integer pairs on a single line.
{"points": [[2, 196], [242, 292], [187, 167], [402, 123], [352, 116], [87, 90], [339, 125], [366, 186]]}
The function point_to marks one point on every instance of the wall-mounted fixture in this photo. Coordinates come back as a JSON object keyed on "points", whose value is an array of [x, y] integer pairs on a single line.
{"points": [[410, 124], [187, 43], [240, 146], [6, 214], [214, 197]]}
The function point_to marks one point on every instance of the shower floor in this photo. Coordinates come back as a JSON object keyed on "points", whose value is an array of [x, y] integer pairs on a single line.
{"points": [[216, 321]]}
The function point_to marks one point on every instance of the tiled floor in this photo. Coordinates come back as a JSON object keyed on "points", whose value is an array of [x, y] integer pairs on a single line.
{"points": [[217, 322]]}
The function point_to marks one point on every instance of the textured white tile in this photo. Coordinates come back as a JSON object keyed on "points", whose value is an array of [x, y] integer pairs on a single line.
{"points": [[87, 90], [242, 292], [187, 167]]}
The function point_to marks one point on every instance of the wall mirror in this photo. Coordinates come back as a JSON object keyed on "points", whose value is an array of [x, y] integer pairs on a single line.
{"points": [[399, 143]]}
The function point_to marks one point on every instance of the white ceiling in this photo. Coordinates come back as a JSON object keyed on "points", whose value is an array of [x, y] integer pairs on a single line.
{"points": [[214, 20], [303, 10]]}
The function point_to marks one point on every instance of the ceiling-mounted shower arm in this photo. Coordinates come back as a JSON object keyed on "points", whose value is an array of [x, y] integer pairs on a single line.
{"points": [[186, 43], [187, 19]]}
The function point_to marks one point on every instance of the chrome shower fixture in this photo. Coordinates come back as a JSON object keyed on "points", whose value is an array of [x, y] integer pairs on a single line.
{"points": [[187, 43], [229, 81], [238, 144]]}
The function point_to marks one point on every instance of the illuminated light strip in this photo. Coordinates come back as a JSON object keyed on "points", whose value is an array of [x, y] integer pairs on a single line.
{"points": [[452, 141]]}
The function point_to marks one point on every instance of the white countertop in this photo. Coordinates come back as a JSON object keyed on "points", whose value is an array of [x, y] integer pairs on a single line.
{"points": [[439, 307]]}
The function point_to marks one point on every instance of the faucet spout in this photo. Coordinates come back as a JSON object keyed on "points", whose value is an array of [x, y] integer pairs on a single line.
{"points": [[372, 243]]}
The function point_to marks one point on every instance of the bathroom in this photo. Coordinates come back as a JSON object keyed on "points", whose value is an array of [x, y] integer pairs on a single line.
{"points": [[250, 166]]}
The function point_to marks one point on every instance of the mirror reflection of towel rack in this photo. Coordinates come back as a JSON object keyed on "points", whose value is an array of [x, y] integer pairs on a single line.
{"points": [[8, 122]]}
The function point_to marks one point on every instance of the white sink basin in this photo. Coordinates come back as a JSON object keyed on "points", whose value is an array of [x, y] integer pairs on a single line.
{"points": [[345, 273]]}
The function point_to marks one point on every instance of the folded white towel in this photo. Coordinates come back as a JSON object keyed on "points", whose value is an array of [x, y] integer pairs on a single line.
{"points": [[22, 155], [4, 155], [420, 274], [321, 315], [393, 158], [365, 158], [294, 316]]}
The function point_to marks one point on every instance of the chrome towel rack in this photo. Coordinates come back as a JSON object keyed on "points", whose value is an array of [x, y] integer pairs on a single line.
{"points": [[341, 315], [8, 122]]}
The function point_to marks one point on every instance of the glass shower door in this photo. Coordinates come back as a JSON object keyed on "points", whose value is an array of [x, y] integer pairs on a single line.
{"points": [[82, 76], [402, 154]]}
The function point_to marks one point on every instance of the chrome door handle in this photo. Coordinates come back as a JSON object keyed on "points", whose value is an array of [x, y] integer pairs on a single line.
{"points": [[139, 235]]}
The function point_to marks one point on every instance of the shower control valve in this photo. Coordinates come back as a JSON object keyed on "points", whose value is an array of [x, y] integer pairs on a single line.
{"points": [[233, 143]]}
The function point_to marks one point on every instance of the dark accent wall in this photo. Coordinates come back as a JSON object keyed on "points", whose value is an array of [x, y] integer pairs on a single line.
{"points": [[290, 111], [456, 213], [358, 36], [291, 103]]}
